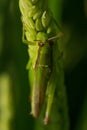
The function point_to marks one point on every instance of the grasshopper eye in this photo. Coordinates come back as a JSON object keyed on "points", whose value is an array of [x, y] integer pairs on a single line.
{"points": [[41, 44], [51, 43]]}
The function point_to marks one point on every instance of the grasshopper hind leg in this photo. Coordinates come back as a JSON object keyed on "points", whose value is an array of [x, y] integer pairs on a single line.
{"points": [[50, 97]]}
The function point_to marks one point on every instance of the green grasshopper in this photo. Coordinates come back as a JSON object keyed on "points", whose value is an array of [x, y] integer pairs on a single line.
{"points": [[39, 33]]}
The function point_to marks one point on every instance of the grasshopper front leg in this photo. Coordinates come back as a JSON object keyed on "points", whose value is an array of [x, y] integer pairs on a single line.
{"points": [[24, 37]]}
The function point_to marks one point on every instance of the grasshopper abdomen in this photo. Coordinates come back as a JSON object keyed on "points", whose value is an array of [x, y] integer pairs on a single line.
{"points": [[42, 72]]}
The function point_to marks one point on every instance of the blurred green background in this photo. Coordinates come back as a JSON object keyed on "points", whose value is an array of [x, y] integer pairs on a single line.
{"points": [[14, 86]]}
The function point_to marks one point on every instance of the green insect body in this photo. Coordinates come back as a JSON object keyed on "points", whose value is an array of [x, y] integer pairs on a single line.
{"points": [[42, 72], [38, 27]]}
